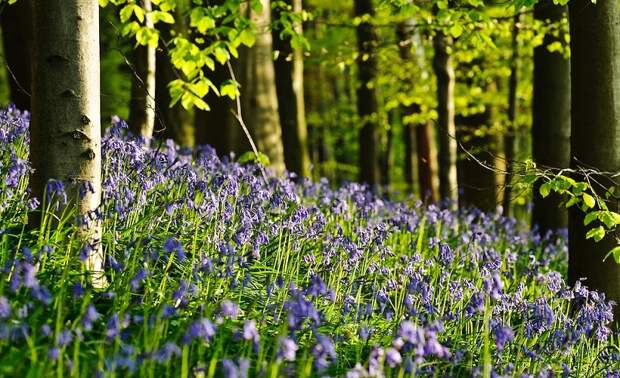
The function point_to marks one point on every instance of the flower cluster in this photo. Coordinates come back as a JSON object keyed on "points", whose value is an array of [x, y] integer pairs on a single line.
{"points": [[214, 270]]}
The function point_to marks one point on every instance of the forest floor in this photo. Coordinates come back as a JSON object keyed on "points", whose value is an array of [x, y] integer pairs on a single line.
{"points": [[215, 271]]}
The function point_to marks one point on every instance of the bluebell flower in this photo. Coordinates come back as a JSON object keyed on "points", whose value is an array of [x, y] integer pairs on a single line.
{"points": [[287, 349]]}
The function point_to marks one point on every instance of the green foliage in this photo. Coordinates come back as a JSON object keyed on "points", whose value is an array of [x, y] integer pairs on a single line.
{"points": [[597, 215]]}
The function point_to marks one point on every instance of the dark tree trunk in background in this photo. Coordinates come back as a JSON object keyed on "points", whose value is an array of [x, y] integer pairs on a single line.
{"points": [[367, 97], [65, 126], [551, 106], [422, 132], [442, 64], [477, 184], [142, 101], [387, 160], [218, 127], [16, 20], [595, 132], [170, 122], [290, 89], [509, 135], [258, 91]]}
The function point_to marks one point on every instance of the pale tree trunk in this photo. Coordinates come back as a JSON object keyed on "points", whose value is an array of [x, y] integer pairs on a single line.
{"points": [[550, 118], [174, 122], [258, 91], [509, 136], [65, 124], [367, 97], [16, 20], [595, 133], [426, 166], [442, 64], [289, 68], [142, 102]]}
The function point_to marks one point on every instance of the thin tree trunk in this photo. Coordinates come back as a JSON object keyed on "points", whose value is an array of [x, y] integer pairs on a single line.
{"points": [[595, 133], [367, 97], [509, 136], [289, 68], [442, 64], [142, 102], [426, 166], [410, 157], [551, 118], [65, 125], [387, 160], [170, 122], [16, 20], [258, 92]]}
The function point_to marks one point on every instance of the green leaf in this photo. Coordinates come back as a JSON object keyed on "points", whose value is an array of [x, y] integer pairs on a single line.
{"points": [[102, 3], [590, 217], [545, 189], [164, 17], [456, 30], [221, 55], [588, 200], [229, 88], [616, 253], [247, 37], [609, 218], [597, 233]]}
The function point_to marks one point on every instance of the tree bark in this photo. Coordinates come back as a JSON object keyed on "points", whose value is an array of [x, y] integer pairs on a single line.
{"points": [[426, 166], [551, 106], [477, 184], [367, 97], [258, 91], [65, 124], [174, 122], [217, 127], [595, 132], [289, 68], [142, 101], [509, 136], [442, 64], [16, 20]]}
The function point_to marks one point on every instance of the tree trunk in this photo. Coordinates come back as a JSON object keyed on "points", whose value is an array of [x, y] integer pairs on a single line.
{"points": [[442, 64], [595, 132], [423, 133], [258, 91], [387, 159], [217, 127], [65, 125], [367, 97], [509, 136], [142, 102], [551, 106], [17, 37], [477, 184], [170, 122], [289, 68]]}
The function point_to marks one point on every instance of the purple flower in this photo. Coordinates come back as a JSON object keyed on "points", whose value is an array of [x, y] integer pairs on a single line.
{"points": [[230, 309], [503, 335], [287, 349], [5, 308], [91, 315], [168, 351], [393, 357], [202, 328], [172, 245]]}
